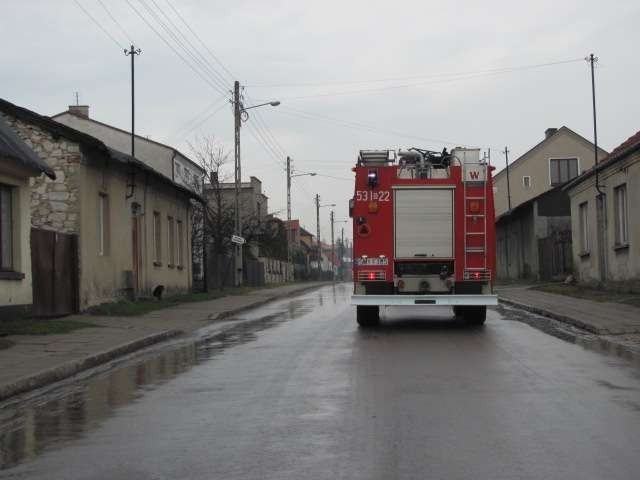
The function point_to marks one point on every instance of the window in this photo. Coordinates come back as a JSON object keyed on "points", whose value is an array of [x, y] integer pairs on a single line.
{"points": [[526, 181], [171, 240], [103, 224], [180, 244], [562, 170], [157, 238], [583, 215], [6, 227], [620, 212]]}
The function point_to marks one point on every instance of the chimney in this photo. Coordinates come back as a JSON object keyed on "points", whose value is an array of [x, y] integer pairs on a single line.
{"points": [[549, 131], [79, 110]]}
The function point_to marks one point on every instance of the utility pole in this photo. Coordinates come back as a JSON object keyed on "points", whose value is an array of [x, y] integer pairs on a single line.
{"points": [[601, 197], [318, 232], [333, 248], [132, 53], [237, 110], [506, 243], [506, 158], [289, 210], [342, 254]]}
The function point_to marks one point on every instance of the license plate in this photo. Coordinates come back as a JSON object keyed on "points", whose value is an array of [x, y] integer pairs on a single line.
{"points": [[372, 261]]}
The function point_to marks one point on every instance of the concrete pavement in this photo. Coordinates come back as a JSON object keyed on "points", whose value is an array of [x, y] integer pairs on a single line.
{"points": [[37, 360], [602, 318], [608, 327]]}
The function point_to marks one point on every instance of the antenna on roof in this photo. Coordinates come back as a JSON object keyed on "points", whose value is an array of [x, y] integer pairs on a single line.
{"points": [[77, 95]]}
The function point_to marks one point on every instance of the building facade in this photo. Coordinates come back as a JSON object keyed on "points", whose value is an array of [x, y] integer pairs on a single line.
{"points": [[123, 227], [561, 156], [606, 244], [164, 159], [19, 164]]}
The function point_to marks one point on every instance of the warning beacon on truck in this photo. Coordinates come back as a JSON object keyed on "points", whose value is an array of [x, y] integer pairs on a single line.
{"points": [[423, 232]]}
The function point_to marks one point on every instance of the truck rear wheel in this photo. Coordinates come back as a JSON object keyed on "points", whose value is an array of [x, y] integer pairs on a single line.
{"points": [[368, 315], [472, 315]]}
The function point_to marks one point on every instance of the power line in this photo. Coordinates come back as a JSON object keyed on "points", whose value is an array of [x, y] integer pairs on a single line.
{"points": [[215, 58], [118, 24], [258, 137], [221, 86], [205, 118], [413, 77], [363, 126], [104, 30], [211, 69], [185, 61], [430, 82], [268, 131], [198, 116]]}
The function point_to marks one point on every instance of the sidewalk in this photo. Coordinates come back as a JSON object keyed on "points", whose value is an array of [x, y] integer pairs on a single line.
{"points": [[37, 360], [601, 318]]}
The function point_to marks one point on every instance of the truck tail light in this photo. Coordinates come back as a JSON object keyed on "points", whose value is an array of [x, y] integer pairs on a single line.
{"points": [[373, 207], [371, 275], [474, 206], [477, 275]]}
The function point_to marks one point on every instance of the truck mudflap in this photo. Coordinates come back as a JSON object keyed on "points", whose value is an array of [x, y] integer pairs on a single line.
{"points": [[407, 300]]}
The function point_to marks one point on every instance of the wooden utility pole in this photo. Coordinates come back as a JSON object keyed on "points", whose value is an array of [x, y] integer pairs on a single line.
{"points": [[318, 232], [237, 110]]}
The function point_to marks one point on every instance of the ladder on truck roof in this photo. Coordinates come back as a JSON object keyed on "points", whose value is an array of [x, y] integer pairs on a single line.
{"points": [[474, 177]]}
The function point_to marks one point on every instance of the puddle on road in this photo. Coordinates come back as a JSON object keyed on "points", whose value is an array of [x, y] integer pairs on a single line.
{"points": [[30, 427]]}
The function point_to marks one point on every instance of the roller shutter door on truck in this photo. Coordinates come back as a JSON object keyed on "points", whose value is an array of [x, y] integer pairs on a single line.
{"points": [[423, 223]]}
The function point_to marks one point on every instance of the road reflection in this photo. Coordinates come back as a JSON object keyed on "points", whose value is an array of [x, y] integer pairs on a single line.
{"points": [[29, 428]]}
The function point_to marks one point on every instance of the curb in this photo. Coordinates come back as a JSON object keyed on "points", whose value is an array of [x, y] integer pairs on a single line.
{"points": [[556, 316], [73, 367], [574, 332]]}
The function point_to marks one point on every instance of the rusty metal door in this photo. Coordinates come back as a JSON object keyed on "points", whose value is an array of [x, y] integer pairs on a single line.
{"points": [[54, 267]]}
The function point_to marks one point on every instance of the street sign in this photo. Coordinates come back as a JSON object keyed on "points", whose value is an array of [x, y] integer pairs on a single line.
{"points": [[237, 239]]}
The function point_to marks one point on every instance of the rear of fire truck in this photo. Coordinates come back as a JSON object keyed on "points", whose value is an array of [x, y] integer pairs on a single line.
{"points": [[423, 232]]}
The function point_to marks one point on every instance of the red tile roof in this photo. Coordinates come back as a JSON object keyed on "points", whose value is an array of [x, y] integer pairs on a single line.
{"points": [[624, 148]]}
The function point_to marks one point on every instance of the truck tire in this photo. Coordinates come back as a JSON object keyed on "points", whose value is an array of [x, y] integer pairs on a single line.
{"points": [[472, 315], [368, 315]]}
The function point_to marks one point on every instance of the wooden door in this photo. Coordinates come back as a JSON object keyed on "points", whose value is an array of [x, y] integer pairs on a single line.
{"points": [[54, 268]]}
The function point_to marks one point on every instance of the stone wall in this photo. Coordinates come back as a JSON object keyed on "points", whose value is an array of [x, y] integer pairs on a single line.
{"points": [[54, 203]]}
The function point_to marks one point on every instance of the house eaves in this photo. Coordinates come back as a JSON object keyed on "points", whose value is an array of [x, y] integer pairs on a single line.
{"points": [[12, 146], [138, 137], [622, 151], [87, 141], [539, 145]]}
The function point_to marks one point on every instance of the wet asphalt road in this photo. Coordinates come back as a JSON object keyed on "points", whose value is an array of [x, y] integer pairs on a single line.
{"points": [[299, 392]]}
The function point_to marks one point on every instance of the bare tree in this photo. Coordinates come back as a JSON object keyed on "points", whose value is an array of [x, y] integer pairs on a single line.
{"points": [[212, 223]]}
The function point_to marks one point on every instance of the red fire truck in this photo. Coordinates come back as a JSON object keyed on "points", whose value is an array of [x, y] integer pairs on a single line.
{"points": [[423, 232]]}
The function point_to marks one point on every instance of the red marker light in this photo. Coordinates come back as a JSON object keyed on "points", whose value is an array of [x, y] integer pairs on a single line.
{"points": [[477, 275], [372, 276]]}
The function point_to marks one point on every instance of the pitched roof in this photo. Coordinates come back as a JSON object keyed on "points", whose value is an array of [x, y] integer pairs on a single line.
{"points": [[92, 143], [12, 146], [540, 144], [138, 137], [626, 148]]}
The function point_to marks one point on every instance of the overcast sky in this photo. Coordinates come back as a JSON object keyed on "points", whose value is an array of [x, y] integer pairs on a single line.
{"points": [[350, 75]]}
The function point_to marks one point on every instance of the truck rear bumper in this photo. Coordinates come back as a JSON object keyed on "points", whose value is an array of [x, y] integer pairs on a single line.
{"points": [[407, 300]]}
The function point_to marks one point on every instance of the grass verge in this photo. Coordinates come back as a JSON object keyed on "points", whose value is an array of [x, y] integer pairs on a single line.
{"points": [[29, 326], [128, 308], [590, 293]]}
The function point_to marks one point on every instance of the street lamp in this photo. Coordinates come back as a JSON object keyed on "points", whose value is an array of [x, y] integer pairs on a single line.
{"points": [[289, 177], [240, 115]]}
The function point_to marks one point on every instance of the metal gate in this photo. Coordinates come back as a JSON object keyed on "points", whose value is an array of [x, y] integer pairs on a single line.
{"points": [[54, 266]]}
